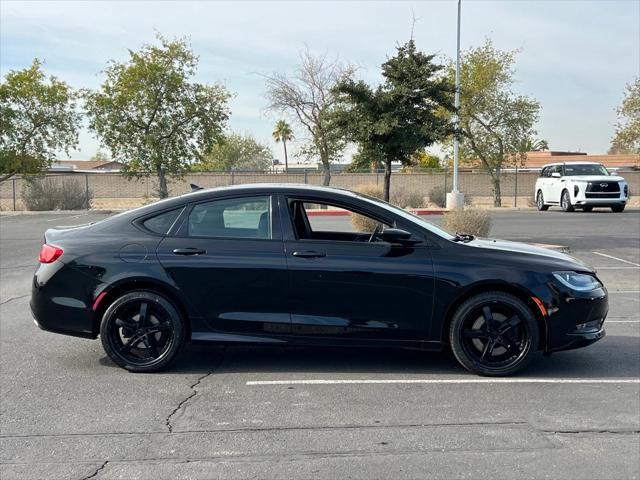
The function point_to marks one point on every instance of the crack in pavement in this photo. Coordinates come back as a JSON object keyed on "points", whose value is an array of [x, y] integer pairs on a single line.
{"points": [[279, 429], [193, 393], [14, 298], [97, 471], [596, 431], [183, 402]]}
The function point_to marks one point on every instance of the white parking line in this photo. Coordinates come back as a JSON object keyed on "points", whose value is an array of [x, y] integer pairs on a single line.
{"points": [[445, 381], [623, 291], [622, 321], [618, 259]]}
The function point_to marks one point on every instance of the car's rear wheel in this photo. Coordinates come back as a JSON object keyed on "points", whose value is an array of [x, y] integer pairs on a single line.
{"points": [[142, 331], [565, 202], [494, 334], [540, 202], [617, 208], [587, 208]]}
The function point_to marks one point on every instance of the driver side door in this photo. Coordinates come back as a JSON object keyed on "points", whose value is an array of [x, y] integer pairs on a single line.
{"points": [[344, 286]]}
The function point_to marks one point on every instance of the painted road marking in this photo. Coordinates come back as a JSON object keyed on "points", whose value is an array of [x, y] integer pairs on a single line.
{"points": [[618, 259], [621, 321], [635, 381], [623, 291]]}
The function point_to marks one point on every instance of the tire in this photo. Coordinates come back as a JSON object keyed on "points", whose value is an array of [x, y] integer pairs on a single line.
{"points": [[142, 331], [504, 348], [565, 201], [618, 208], [540, 202], [587, 209]]}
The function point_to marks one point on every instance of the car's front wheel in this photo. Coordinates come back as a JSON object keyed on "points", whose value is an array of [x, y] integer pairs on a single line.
{"points": [[142, 331], [565, 202], [617, 208], [494, 334], [540, 202]]}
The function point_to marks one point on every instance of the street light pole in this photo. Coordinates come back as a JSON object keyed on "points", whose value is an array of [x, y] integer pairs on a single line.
{"points": [[455, 199]]}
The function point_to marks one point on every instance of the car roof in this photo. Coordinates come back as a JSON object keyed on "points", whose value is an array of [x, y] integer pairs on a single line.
{"points": [[270, 187], [570, 163]]}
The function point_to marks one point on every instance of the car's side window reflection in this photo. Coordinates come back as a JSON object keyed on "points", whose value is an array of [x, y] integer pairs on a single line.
{"points": [[322, 221], [248, 217]]}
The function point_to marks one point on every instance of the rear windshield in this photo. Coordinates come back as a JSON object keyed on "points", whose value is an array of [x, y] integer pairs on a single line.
{"points": [[573, 170]]}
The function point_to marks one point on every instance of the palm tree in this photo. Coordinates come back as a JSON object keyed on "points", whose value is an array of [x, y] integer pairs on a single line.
{"points": [[283, 133]]}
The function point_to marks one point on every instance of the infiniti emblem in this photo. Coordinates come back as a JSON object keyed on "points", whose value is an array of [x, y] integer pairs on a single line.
{"points": [[603, 185]]}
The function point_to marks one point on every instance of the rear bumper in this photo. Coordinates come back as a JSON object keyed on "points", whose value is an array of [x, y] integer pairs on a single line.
{"points": [[64, 305]]}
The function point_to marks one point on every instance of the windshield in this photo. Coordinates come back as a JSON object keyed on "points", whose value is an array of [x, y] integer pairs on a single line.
{"points": [[586, 169], [409, 216]]}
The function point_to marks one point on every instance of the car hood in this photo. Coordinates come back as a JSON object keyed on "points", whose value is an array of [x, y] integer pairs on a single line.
{"points": [[596, 178], [533, 252]]}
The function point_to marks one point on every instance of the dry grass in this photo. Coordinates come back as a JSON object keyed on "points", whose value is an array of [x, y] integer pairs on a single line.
{"points": [[471, 220]]}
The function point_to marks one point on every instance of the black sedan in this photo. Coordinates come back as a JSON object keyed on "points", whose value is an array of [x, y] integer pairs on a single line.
{"points": [[267, 265]]}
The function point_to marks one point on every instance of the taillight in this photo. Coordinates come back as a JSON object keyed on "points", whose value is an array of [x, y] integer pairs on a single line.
{"points": [[49, 253]]}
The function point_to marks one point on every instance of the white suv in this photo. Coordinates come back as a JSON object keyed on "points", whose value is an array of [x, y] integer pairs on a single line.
{"points": [[580, 185]]}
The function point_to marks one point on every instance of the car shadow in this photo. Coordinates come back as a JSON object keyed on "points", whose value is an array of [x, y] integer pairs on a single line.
{"points": [[613, 357]]}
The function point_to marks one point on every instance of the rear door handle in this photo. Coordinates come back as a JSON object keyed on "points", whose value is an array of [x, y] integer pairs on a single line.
{"points": [[309, 254], [189, 251]]}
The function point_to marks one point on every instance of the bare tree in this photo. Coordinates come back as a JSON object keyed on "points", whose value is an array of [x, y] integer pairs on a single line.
{"points": [[307, 98]]}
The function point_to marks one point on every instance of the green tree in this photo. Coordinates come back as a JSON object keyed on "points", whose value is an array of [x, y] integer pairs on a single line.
{"points": [[399, 117], [425, 160], [308, 98], [494, 122], [38, 118], [627, 135], [236, 152], [150, 114], [283, 133]]}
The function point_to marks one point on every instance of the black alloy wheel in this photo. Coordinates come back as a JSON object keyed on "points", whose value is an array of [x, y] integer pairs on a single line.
{"points": [[540, 202], [142, 331], [565, 202], [494, 334]]}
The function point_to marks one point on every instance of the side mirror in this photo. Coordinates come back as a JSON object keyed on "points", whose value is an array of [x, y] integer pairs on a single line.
{"points": [[397, 236], [556, 175]]}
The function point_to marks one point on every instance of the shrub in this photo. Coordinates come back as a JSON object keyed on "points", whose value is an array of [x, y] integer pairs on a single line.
{"points": [[73, 195], [366, 224], [438, 196], [407, 199], [51, 194], [370, 189], [473, 221]]}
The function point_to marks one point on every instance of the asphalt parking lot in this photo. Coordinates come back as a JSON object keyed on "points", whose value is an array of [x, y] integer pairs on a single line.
{"points": [[68, 412]]}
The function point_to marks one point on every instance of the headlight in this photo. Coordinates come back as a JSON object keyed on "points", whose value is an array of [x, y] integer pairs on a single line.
{"points": [[576, 190], [577, 281]]}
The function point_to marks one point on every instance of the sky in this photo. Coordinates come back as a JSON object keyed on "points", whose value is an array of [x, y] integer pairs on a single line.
{"points": [[575, 56]]}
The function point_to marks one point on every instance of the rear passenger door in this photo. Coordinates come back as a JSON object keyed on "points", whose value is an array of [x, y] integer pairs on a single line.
{"points": [[228, 258]]}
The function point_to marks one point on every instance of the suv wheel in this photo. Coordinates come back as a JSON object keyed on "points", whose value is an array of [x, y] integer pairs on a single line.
{"points": [[540, 202], [617, 208], [565, 202]]}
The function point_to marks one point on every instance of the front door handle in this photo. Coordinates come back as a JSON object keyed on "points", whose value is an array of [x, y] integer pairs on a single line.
{"points": [[309, 254], [189, 251]]}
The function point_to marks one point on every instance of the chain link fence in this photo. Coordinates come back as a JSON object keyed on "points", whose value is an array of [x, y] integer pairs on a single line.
{"points": [[115, 191]]}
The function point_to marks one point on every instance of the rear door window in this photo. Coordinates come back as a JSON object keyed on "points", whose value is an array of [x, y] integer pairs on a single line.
{"points": [[248, 217]]}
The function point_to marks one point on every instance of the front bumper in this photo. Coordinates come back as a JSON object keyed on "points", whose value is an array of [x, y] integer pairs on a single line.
{"points": [[577, 319], [595, 199]]}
